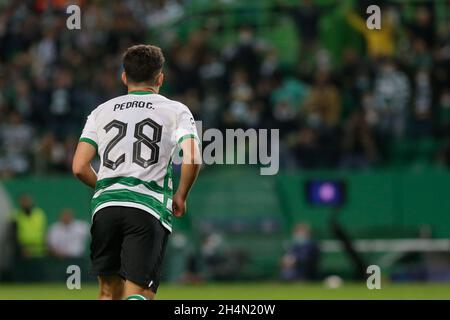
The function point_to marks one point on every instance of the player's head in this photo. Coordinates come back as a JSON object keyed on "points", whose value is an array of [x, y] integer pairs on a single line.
{"points": [[143, 66]]}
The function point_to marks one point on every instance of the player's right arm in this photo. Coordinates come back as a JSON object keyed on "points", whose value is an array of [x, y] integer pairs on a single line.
{"points": [[85, 153]]}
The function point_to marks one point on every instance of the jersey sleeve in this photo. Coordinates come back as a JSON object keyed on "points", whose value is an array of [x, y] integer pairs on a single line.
{"points": [[89, 133], [186, 126]]}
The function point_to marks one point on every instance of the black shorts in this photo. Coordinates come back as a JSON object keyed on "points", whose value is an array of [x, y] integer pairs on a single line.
{"points": [[128, 242]]}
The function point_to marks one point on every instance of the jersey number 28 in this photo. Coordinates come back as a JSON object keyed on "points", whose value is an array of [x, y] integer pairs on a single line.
{"points": [[141, 138]]}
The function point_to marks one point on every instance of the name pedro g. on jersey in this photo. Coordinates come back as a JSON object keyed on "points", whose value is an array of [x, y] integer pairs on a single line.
{"points": [[135, 136]]}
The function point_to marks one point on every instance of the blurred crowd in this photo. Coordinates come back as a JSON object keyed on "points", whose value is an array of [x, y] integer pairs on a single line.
{"points": [[354, 113]]}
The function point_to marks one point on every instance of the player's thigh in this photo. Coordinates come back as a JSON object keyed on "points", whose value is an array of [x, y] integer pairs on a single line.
{"points": [[106, 242], [143, 249]]}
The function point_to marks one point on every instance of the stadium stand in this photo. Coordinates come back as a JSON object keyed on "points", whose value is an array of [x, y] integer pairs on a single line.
{"points": [[380, 123]]}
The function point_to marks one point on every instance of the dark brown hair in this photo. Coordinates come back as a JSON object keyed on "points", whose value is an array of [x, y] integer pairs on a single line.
{"points": [[142, 63]]}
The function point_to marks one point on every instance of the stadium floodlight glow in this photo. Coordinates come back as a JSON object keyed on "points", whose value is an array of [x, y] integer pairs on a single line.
{"points": [[329, 193]]}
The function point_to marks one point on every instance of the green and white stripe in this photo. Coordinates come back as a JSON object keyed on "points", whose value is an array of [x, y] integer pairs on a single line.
{"points": [[133, 192], [136, 297]]}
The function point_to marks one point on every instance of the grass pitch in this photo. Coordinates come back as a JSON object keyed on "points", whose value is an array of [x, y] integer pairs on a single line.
{"points": [[220, 291]]}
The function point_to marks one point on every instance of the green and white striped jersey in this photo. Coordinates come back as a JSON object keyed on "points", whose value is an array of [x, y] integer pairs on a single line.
{"points": [[135, 136]]}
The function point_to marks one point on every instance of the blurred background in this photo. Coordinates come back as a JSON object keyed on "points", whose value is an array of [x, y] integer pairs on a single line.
{"points": [[364, 119]]}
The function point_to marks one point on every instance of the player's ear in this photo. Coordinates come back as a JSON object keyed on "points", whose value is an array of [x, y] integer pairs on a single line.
{"points": [[159, 79], [124, 78]]}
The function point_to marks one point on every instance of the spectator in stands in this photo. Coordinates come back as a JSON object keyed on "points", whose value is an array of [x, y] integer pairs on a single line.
{"points": [[241, 96], [444, 112], [287, 99], [306, 16], [379, 43], [419, 57], [212, 73], [213, 256], [422, 123], [441, 63], [160, 13], [245, 54], [30, 227], [16, 137], [61, 103], [49, 154], [350, 73], [219, 261], [444, 156], [359, 149], [67, 237], [305, 147], [392, 94], [422, 27], [184, 68], [301, 260], [323, 103], [22, 96]]}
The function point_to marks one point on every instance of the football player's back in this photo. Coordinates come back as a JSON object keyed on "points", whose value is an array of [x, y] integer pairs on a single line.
{"points": [[135, 136]]}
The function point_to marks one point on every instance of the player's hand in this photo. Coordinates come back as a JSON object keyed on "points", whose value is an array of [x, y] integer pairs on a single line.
{"points": [[178, 205]]}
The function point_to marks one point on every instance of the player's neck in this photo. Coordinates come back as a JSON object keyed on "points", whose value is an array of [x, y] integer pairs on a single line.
{"points": [[148, 89]]}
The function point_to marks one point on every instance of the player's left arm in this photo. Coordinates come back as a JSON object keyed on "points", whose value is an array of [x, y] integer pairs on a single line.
{"points": [[187, 138], [190, 168], [81, 165]]}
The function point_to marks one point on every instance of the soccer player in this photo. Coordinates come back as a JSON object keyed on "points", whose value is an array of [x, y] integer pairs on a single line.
{"points": [[135, 136]]}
